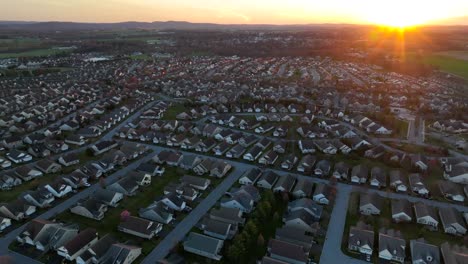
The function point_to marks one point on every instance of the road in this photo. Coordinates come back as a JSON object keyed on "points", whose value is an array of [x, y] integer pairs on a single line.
{"points": [[181, 230], [331, 251]]}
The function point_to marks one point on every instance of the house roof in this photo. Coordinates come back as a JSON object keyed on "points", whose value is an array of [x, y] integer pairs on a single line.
{"points": [[139, 225], [203, 243], [420, 250], [287, 250], [81, 240]]}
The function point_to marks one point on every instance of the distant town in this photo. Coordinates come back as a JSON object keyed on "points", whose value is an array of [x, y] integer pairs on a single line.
{"points": [[190, 143]]}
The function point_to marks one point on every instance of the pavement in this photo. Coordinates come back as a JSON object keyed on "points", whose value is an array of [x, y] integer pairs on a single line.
{"points": [[331, 251]]}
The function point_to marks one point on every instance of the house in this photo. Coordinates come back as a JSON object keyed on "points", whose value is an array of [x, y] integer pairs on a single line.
{"points": [[204, 166], [402, 211], [267, 180], [39, 198], [198, 183], [206, 145], [183, 190], [17, 209], [18, 156], [370, 204], [426, 215], [378, 177], [218, 229], [248, 141], [322, 168], [139, 227], [417, 185], [359, 174], [249, 177], [236, 152], [357, 143], [285, 252], [126, 186], [423, 252], [68, 160], [284, 183], [279, 146], [58, 188], [375, 152], [398, 181], [451, 191], [141, 178], [392, 246], [219, 169], [39, 150], [253, 153], [308, 205], [239, 200], [108, 197], [453, 254], [48, 166], [95, 253], [150, 169], [103, 146], [322, 194], [74, 139], [306, 164], [302, 189], [27, 173], [303, 219], [289, 161], [419, 161], [457, 174], [168, 157], [203, 245], [158, 212], [325, 147], [4, 223], [189, 162], [361, 240], [306, 146], [295, 236], [452, 222], [174, 201], [79, 244], [228, 215], [269, 158], [45, 235], [341, 171], [90, 208]]}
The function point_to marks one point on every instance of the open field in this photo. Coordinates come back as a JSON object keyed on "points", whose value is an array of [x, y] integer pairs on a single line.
{"points": [[454, 62], [33, 53]]}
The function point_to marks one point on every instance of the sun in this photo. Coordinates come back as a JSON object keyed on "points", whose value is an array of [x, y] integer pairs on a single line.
{"points": [[401, 13]]}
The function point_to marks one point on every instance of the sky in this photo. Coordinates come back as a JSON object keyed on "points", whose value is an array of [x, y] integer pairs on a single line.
{"points": [[239, 11]]}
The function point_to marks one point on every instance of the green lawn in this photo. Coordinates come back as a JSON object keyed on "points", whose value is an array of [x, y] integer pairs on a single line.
{"points": [[173, 111], [141, 57], [34, 53], [445, 63]]}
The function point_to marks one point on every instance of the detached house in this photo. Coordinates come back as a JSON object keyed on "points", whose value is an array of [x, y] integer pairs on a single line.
{"points": [[452, 222], [250, 177], [402, 211], [361, 240], [392, 246], [370, 204], [139, 227], [426, 215], [267, 180]]}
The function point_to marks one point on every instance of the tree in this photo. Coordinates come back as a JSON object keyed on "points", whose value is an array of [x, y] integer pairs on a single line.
{"points": [[260, 240]]}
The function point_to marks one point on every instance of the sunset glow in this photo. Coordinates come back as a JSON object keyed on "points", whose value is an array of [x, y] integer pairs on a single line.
{"points": [[394, 13]]}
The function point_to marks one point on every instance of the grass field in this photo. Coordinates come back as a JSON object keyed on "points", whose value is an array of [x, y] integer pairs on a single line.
{"points": [[33, 53], [450, 62]]}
